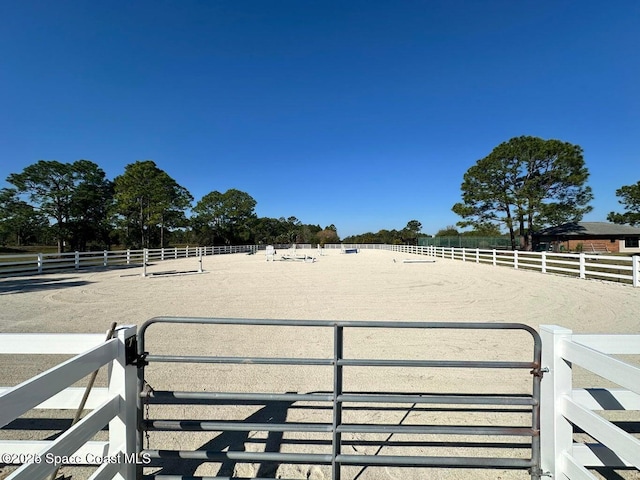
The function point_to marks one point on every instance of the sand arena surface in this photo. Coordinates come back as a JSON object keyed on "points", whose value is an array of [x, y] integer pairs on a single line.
{"points": [[364, 286]]}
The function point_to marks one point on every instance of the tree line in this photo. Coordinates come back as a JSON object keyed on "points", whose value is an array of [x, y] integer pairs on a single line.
{"points": [[523, 186], [75, 206]]}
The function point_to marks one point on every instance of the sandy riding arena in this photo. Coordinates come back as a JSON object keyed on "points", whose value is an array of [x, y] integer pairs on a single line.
{"points": [[371, 285]]}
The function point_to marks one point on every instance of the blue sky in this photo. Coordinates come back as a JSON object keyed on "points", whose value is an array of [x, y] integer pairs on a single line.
{"points": [[364, 114]]}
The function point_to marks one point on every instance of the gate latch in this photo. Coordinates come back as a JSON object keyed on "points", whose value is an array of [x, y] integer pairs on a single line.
{"points": [[539, 372], [131, 352]]}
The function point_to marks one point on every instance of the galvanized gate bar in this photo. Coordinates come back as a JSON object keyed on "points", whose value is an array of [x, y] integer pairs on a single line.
{"points": [[325, 459], [434, 363], [438, 429], [233, 426], [344, 362], [185, 398], [313, 458], [338, 398], [441, 399], [239, 426], [239, 360], [427, 461], [341, 323]]}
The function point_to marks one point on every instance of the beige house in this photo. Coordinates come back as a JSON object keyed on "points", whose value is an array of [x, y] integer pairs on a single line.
{"points": [[590, 237]]}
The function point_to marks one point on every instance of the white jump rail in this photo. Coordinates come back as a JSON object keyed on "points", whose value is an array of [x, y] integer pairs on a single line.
{"points": [[113, 405], [564, 407]]}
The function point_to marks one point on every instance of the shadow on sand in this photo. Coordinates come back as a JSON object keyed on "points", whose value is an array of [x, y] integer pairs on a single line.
{"points": [[36, 283]]}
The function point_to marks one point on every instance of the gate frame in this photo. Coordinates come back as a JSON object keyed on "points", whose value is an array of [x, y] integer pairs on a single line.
{"points": [[337, 397]]}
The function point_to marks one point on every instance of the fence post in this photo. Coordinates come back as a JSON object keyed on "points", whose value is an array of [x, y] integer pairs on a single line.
{"points": [[464, 256], [582, 266], [452, 254], [128, 256], [105, 258], [123, 427], [544, 262], [40, 262], [635, 274], [515, 259], [162, 253], [77, 260], [494, 258], [477, 255], [175, 252], [556, 433]]}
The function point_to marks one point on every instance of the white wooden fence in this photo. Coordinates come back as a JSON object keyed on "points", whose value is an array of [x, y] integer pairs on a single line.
{"points": [[114, 405], [562, 407], [622, 269], [29, 263]]}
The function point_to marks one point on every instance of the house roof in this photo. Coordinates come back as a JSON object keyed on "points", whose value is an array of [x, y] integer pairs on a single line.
{"points": [[590, 228]]}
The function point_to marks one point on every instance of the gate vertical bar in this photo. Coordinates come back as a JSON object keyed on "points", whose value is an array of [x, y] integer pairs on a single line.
{"points": [[338, 342], [140, 364]]}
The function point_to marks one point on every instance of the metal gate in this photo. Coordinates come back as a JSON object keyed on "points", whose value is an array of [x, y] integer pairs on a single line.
{"points": [[339, 402]]}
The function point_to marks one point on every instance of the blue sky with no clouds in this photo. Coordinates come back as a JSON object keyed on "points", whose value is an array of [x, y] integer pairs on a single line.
{"points": [[364, 114]]}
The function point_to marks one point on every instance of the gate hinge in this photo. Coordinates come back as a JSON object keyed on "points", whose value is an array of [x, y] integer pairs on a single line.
{"points": [[539, 372], [537, 472]]}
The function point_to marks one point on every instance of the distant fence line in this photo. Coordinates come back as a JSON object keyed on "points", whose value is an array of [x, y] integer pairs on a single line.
{"points": [[26, 263], [582, 265]]}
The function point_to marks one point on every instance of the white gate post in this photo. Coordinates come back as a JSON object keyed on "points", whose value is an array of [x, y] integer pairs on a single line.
{"points": [[123, 427], [515, 259], [556, 433], [582, 266], [544, 262], [464, 255], [494, 258], [477, 255]]}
